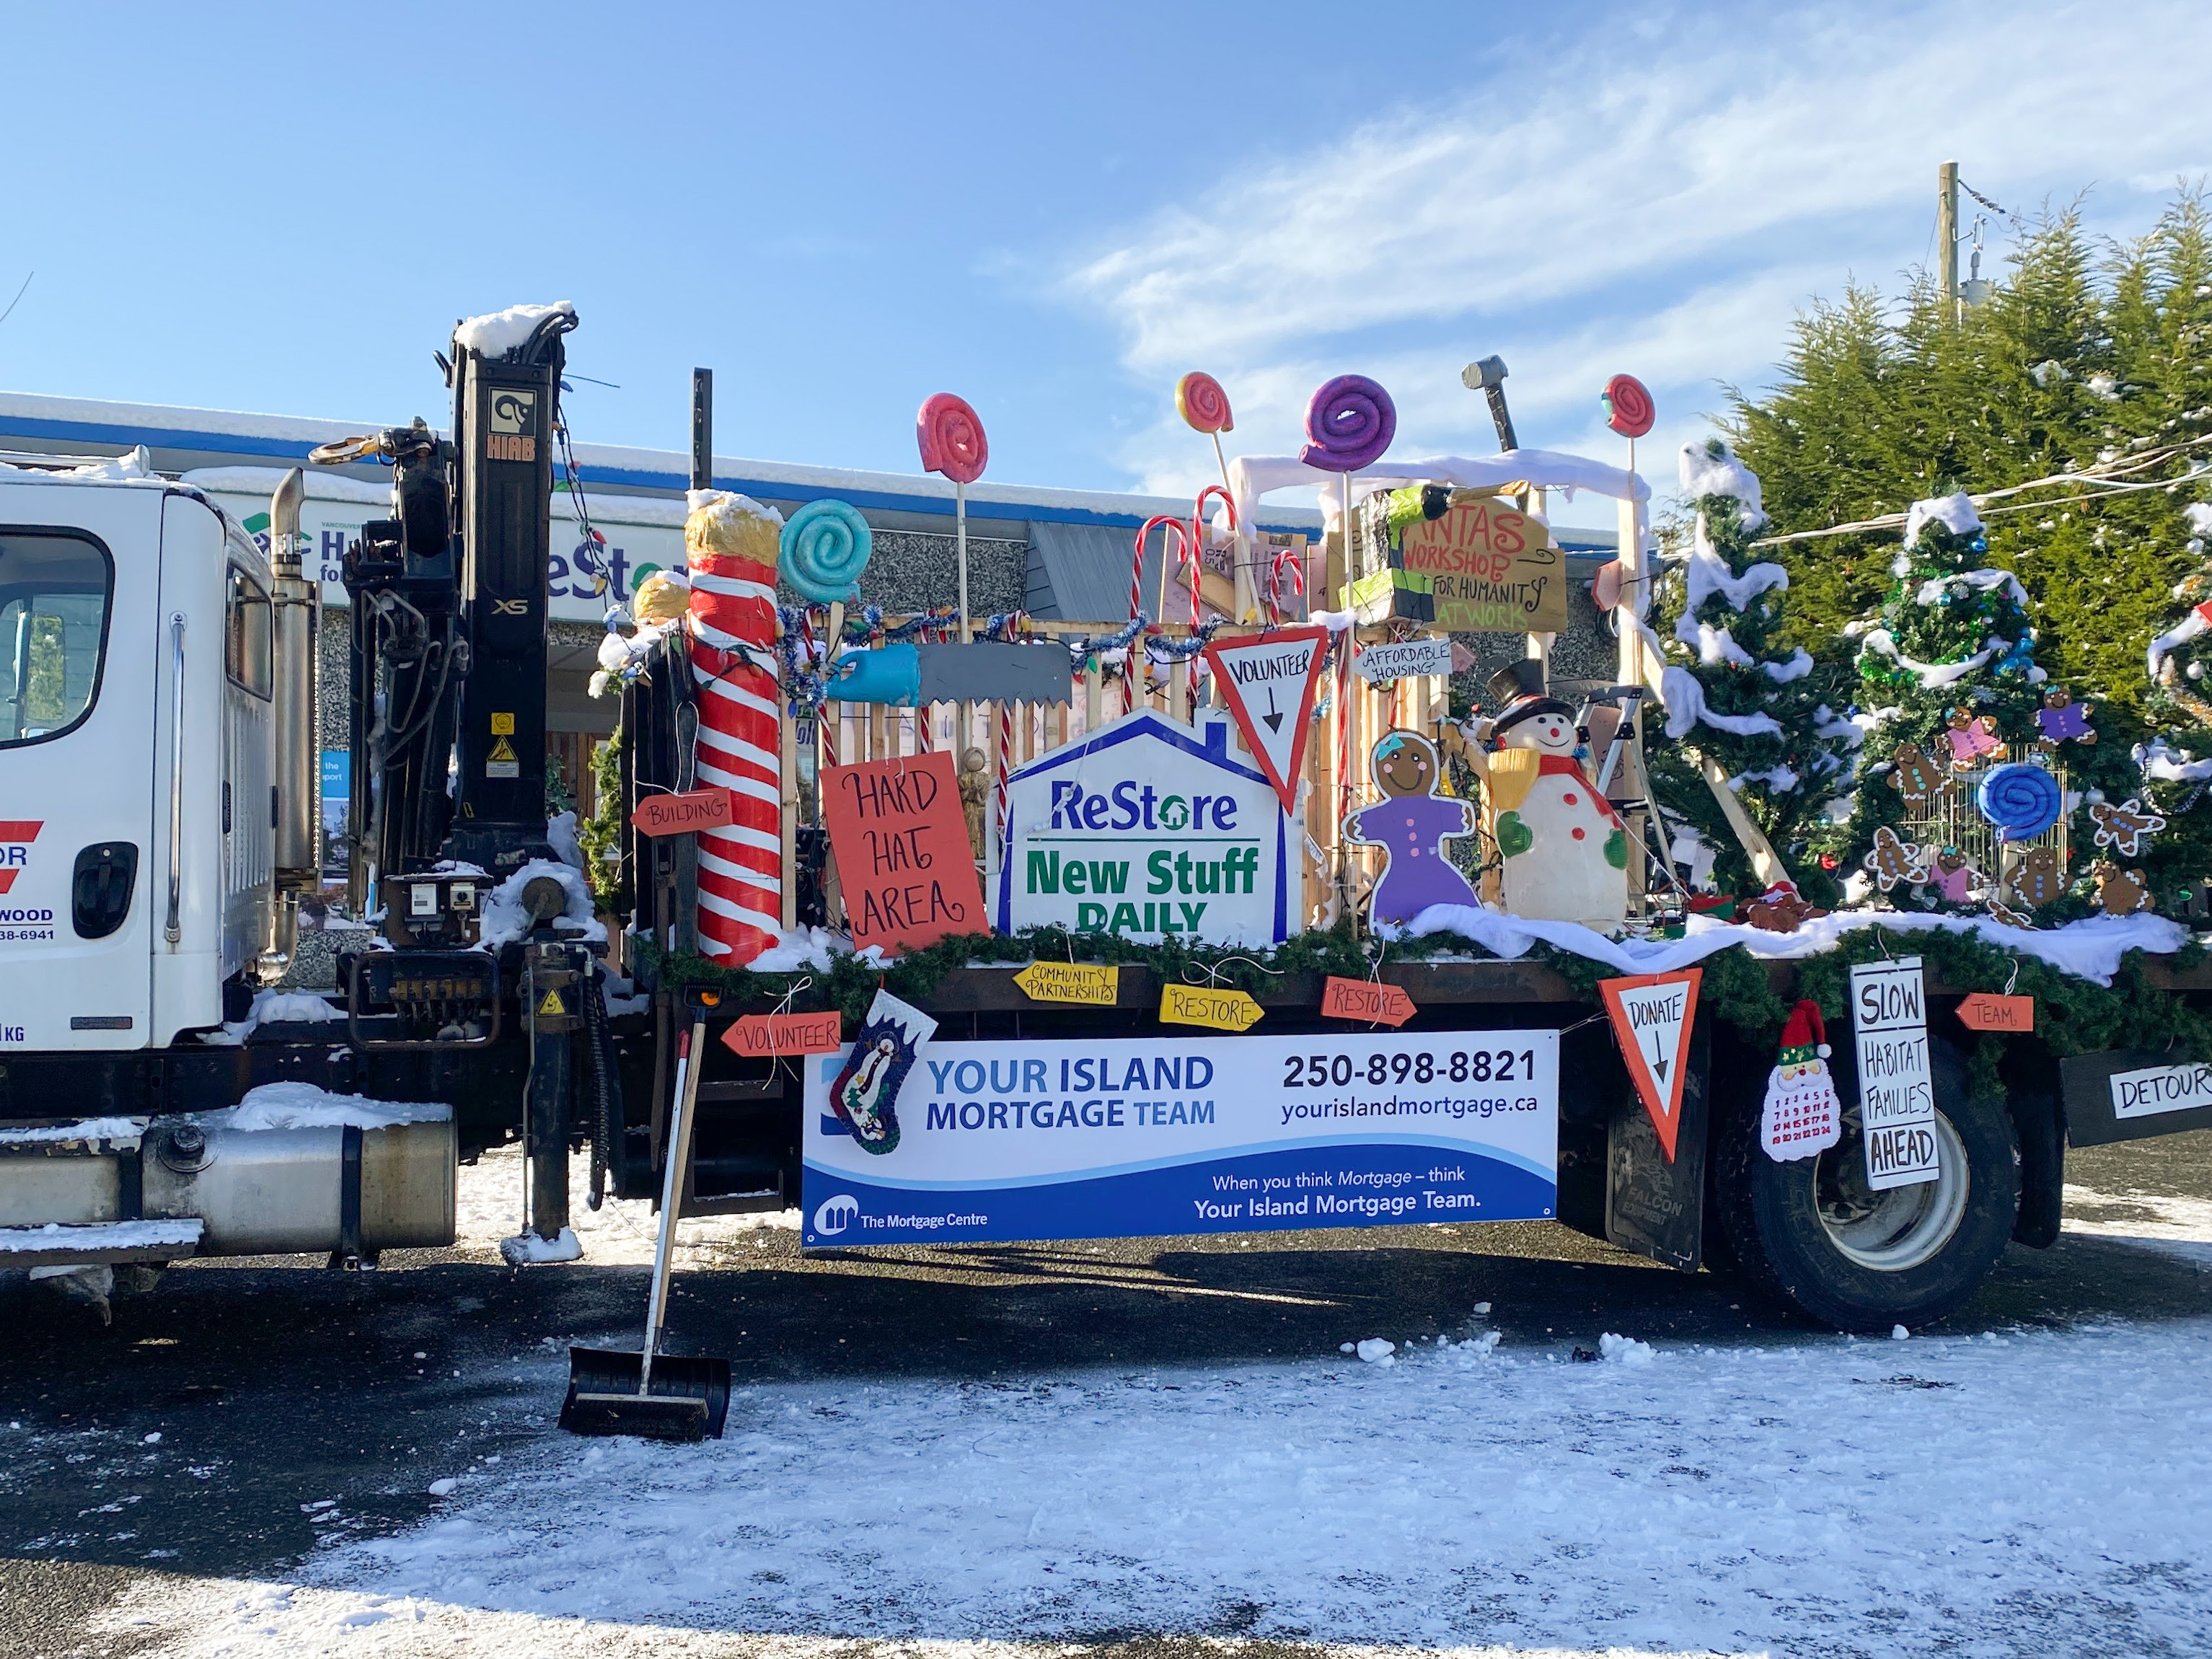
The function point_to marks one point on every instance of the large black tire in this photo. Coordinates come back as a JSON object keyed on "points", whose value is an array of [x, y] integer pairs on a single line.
{"points": [[1809, 1232]]}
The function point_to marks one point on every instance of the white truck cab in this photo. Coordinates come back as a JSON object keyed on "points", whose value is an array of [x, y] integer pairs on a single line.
{"points": [[137, 776]]}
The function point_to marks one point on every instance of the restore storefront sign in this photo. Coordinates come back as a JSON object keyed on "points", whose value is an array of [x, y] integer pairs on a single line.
{"points": [[1099, 1139], [1148, 829]]}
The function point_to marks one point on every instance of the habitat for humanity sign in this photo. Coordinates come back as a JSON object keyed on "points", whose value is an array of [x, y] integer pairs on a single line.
{"points": [[1148, 829], [1096, 1139]]}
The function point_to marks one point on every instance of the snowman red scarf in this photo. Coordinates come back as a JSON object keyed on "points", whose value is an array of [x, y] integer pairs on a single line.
{"points": [[1803, 1117]]}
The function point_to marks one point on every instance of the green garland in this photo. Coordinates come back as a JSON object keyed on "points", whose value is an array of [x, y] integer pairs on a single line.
{"points": [[2073, 1016], [600, 833]]}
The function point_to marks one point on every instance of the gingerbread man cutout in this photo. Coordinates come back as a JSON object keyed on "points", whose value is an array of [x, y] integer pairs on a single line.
{"points": [[1410, 824]]}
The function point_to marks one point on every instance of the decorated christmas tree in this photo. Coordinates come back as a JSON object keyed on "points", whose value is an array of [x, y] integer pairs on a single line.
{"points": [[2176, 760], [1983, 785], [1734, 698]]}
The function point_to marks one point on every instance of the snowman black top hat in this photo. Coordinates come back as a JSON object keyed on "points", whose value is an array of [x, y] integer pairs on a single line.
{"points": [[1519, 686]]}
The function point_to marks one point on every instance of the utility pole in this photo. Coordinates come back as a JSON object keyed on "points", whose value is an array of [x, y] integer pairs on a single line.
{"points": [[1947, 239]]}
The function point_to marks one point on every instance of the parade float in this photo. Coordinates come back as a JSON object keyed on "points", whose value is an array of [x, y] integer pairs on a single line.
{"points": [[1253, 909]]}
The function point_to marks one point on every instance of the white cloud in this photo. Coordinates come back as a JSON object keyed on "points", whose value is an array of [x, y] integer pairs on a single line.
{"points": [[1682, 197]]}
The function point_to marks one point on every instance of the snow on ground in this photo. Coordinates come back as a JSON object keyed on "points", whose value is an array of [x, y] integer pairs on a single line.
{"points": [[2177, 1226], [2046, 1492], [488, 1208]]}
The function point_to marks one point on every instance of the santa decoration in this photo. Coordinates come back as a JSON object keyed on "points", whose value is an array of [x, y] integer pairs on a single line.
{"points": [[1801, 1117], [1563, 847]]}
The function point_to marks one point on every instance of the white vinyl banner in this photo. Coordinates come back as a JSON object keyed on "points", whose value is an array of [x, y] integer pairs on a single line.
{"points": [[1897, 1093], [1086, 1137]]}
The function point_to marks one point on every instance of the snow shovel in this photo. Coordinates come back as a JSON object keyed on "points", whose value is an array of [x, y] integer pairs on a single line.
{"points": [[657, 1395]]}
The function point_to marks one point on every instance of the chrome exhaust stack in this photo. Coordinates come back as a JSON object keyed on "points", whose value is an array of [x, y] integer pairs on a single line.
{"points": [[297, 618]]}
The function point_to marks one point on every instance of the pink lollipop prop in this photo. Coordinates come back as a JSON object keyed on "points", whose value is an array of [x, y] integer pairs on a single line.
{"points": [[952, 443], [1628, 408], [952, 439], [1202, 402]]}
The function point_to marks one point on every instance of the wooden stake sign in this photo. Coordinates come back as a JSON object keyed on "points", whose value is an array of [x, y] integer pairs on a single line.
{"points": [[1215, 1006], [679, 815], [1985, 1011], [767, 1037], [1366, 1000], [1652, 1017], [1089, 983], [903, 860]]}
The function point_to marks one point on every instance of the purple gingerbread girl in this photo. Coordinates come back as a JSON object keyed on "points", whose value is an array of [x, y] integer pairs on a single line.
{"points": [[1410, 824]]}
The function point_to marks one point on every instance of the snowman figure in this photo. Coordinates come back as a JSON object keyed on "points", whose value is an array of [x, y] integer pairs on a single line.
{"points": [[1565, 850]]}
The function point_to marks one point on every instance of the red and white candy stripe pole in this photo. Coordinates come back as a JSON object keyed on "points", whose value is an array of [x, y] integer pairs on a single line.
{"points": [[1171, 528], [733, 626]]}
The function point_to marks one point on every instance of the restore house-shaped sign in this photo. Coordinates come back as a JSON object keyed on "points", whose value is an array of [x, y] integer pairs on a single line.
{"points": [[1149, 830]]}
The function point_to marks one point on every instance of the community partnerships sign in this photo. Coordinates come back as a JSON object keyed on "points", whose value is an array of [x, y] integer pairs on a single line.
{"points": [[1148, 829], [1087, 1138]]}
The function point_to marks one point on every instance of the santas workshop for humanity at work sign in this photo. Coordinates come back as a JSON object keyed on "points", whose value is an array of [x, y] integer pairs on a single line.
{"points": [[1149, 830], [903, 857], [1490, 569]]}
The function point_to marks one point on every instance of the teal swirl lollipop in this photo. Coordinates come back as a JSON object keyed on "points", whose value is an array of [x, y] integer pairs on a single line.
{"points": [[824, 549]]}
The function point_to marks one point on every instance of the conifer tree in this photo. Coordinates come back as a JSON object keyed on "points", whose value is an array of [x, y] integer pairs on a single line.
{"points": [[1735, 696]]}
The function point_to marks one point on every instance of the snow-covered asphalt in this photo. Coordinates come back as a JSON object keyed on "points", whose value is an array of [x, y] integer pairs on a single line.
{"points": [[1144, 1447]]}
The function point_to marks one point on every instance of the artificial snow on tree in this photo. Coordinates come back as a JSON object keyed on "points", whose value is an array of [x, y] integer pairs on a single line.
{"points": [[1977, 765], [1735, 697]]}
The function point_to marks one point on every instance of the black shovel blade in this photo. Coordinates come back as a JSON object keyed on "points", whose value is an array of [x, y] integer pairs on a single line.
{"points": [[688, 1399]]}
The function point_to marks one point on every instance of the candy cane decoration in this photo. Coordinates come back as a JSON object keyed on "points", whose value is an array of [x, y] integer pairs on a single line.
{"points": [[1170, 528], [1285, 559], [1012, 636], [731, 544]]}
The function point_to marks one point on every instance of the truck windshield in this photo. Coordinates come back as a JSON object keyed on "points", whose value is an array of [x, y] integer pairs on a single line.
{"points": [[53, 631]]}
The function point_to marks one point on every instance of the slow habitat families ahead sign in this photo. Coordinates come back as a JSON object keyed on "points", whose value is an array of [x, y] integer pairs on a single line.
{"points": [[1088, 1138], [1149, 830]]}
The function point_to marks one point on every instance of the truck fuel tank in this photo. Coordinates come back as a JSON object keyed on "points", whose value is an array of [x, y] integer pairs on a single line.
{"points": [[273, 1177]]}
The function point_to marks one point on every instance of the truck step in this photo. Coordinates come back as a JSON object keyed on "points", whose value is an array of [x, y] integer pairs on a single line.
{"points": [[65, 1243]]}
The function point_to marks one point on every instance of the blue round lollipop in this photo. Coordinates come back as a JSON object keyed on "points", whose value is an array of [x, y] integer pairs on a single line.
{"points": [[2022, 800], [824, 549]]}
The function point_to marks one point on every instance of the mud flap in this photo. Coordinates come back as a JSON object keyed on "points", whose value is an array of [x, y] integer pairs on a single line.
{"points": [[1653, 1206]]}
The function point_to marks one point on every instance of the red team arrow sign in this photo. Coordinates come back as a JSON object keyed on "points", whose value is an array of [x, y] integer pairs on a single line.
{"points": [[1270, 682]]}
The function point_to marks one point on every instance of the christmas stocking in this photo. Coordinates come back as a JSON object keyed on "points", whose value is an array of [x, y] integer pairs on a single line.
{"points": [[1803, 1117], [866, 1094]]}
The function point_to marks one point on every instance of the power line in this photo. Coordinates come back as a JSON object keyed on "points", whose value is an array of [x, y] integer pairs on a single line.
{"points": [[18, 300]]}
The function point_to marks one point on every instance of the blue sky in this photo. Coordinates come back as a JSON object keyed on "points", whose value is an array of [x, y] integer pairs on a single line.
{"points": [[1052, 211]]}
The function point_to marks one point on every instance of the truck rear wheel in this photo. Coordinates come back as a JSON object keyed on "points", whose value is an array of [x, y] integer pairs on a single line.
{"points": [[1813, 1233]]}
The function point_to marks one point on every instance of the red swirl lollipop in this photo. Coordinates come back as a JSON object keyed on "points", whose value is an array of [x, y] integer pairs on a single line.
{"points": [[952, 439], [1628, 406], [1202, 404]]}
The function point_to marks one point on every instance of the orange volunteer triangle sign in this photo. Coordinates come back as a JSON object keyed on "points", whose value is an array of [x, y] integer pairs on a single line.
{"points": [[1652, 1015], [1270, 682]]}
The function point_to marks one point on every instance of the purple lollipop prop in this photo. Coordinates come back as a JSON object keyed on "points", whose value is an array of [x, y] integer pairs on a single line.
{"points": [[1351, 421]]}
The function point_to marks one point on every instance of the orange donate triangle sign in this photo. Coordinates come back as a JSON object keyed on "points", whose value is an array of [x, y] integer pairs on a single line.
{"points": [[1652, 1015]]}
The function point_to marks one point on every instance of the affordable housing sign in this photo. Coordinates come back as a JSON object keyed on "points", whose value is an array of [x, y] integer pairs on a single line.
{"points": [[1102, 1139]]}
